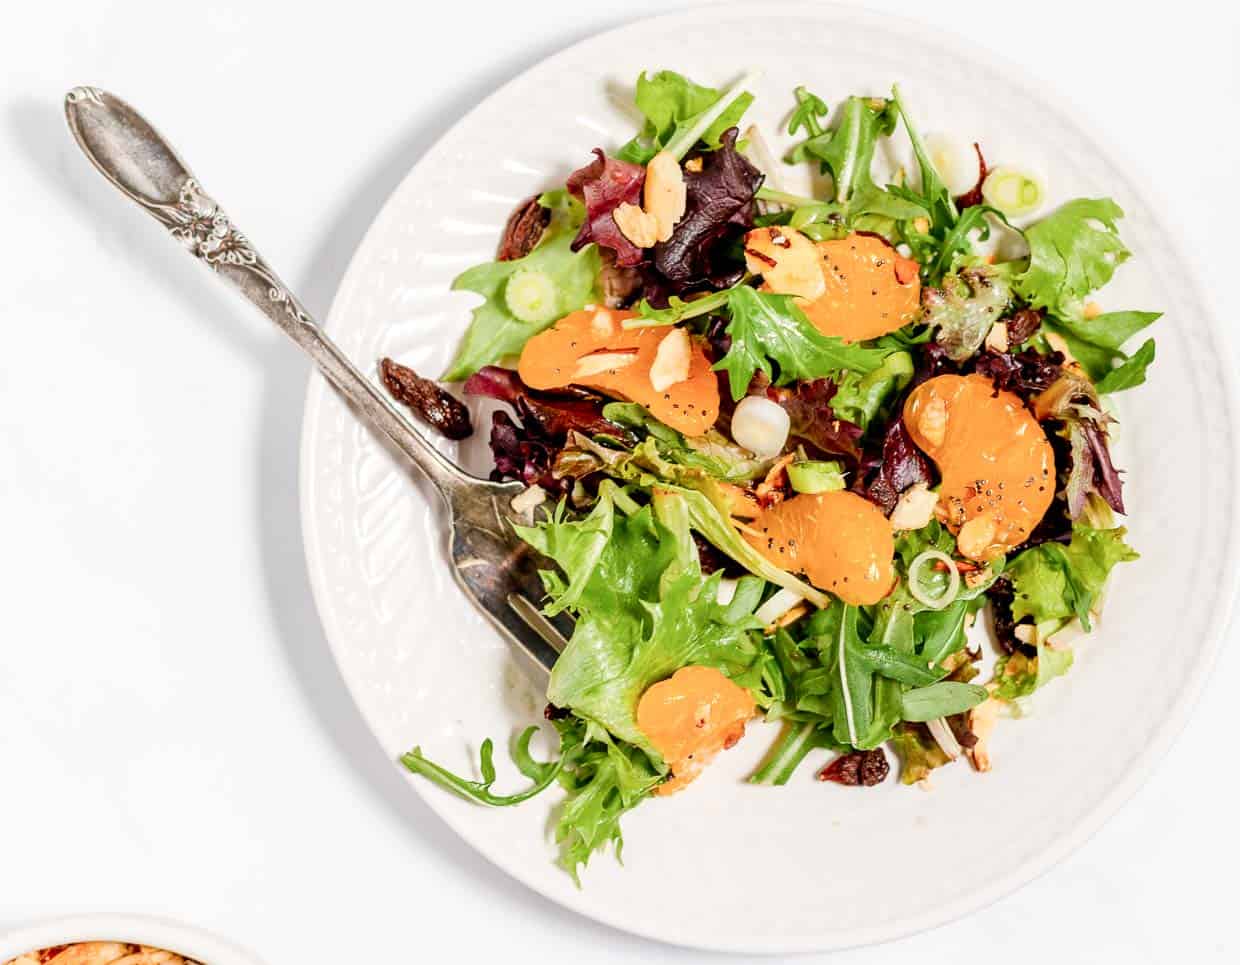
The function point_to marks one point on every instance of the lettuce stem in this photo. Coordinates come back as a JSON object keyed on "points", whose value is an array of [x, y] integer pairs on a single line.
{"points": [[679, 146]]}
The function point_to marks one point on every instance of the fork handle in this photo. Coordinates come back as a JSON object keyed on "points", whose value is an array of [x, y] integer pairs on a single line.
{"points": [[130, 153]]}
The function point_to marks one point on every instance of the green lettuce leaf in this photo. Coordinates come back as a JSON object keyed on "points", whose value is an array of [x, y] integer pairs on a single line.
{"points": [[1129, 373], [1055, 582], [1072, 252], [671, 105], [712, 452], [858, 398], [604, 780], [766, 327], [644, 613], [494, 332]]}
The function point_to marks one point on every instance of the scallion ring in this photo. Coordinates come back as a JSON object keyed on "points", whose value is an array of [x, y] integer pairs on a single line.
{"points": [[919, 593]]}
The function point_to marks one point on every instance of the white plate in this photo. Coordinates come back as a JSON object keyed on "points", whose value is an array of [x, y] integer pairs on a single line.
{"points": [[171, 936], [726, 865]]}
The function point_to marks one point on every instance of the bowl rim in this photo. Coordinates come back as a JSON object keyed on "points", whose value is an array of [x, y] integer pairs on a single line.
{"points": [[189, 941], [1228, 580]]}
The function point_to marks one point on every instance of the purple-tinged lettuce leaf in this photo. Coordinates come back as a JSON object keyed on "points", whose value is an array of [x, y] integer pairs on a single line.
{"points": [[719, 208], [603, 185]]}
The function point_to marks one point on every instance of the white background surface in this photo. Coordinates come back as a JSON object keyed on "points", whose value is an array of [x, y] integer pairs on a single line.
{"points": [[173, 734]]}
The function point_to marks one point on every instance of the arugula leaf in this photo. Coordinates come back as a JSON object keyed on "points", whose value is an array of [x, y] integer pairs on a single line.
{"points": [[1072, 252], [1130, 373], [1110, 330], [672, 104], [543, 774], [766, 327], [847, 152], [941, 699], [786, 756], [935, 196], [1056, 582], [494, 331]]}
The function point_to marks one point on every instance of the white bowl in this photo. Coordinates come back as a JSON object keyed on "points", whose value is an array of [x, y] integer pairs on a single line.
{"points": [[172, 936]]}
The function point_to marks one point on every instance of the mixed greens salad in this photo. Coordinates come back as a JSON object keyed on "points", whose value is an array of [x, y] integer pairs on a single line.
{"points": [[783, 451]]}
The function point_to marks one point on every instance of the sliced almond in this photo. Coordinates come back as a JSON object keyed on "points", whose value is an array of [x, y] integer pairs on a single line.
{"points": [[997, 337], [603, 362], [671, 360], [976, 536], [640, 228], [932, 423], [981, 722], [788, 262], [665, 194], [915, 508]]}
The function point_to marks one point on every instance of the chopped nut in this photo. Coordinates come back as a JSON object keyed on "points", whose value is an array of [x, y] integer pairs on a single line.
{"points": [[602, 324], [526, 501], [981, 721], [603, 362], [974, 578], [635, 224], [922, 225], [997, 337], [976, 536], [671, 360], [788, 261], [665, 193], [1026, 633], [932, 423], [1056, 341], [915, 508], [694, 165]]}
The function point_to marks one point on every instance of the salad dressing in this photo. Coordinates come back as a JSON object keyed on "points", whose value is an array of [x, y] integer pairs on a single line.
{"points": [[840, 541], [691, 717], [997, 466]]}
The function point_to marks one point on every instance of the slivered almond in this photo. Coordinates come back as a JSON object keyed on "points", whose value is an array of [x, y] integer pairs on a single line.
{"points": [[671, 360], [997, 337], [603, 362]]}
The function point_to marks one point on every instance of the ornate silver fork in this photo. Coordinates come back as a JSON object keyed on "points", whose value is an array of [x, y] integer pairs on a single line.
{"points": [[493, 566]]}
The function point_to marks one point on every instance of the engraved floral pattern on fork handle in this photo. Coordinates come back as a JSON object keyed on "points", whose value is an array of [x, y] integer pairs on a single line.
{"points": [[202, 227]]}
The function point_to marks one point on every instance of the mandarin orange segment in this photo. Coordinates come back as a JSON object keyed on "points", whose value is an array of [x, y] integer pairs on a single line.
{"points": [[839, 541], [997, 466], [690, 717], [661, 368], [855, 288]]}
